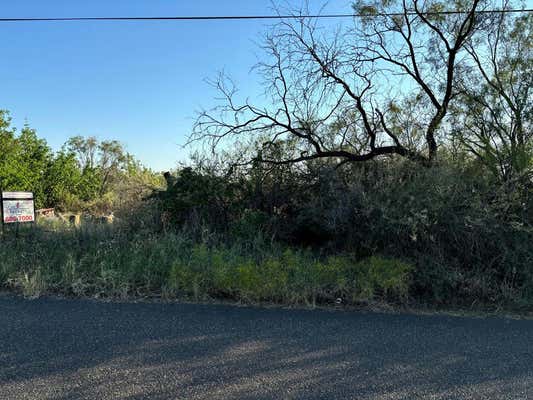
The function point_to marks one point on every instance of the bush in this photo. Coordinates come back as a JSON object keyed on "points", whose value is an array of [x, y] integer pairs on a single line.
{"points": [[467, 236], [387, 230]]}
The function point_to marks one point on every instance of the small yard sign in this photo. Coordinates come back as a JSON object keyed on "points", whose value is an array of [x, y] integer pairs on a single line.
{"points": [[17, 207]]}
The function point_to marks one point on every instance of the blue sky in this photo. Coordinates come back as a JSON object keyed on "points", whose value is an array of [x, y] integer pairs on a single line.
{"points": [[137, 82]]}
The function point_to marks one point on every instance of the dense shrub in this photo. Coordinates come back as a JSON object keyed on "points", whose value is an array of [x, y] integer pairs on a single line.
{"points": [[467, 236], [448, 235]]}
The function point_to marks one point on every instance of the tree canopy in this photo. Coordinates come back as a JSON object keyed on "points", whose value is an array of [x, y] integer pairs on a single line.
{"points": [[84, 174], [384, 85]]}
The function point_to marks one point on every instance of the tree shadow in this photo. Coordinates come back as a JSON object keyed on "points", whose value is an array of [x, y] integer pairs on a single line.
{"points": [[85, 349]]}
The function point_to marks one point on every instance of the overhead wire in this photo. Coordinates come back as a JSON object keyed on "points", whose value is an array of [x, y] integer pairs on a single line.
{"points": [[254, 17]]}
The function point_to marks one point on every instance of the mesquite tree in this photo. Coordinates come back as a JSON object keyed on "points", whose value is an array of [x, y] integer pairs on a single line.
{"points": [[345, 93], [494, 115]]}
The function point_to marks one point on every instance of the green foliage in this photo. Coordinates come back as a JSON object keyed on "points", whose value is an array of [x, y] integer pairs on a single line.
{"points": [[86, 174], [311, 234], [194, 196], [64, 181], [466, 237], [493, 115], [290, 277], [24, 160], [103, 261]]}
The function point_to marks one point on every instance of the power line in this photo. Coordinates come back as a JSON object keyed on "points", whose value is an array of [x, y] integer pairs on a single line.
{"points": [[254, 17]]}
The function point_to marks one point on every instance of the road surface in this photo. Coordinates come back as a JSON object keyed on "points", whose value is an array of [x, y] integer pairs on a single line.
{"points": [[81, 349]]}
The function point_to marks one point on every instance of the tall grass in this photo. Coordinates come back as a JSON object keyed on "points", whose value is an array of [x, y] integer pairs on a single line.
{"points": [[107, 262]]}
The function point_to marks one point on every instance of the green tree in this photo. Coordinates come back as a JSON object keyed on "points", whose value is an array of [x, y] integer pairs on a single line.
{"points": [[9, 148], [494, 119], [64, 186], [24, 160], [34, 159], [101, 162], [109, 176]]}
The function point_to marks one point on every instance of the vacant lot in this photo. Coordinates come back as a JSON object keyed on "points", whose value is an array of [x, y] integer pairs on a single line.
{"points": [[75, 349]]}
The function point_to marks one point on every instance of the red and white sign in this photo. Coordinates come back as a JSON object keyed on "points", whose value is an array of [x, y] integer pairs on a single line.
{"points": [[17, 207]]}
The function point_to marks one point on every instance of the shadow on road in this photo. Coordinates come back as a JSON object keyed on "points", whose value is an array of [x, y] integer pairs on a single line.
{"points": [[54, 349]]}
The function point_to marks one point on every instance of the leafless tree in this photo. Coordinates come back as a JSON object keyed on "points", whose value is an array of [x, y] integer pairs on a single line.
{"points": [[338, 93]]}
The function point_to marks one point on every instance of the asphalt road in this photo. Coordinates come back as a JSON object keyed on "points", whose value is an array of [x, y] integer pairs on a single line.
{"points": [[73, 349]]}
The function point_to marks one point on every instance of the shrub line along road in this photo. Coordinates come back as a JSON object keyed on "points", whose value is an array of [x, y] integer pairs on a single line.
{"points": [[82, 349]]}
